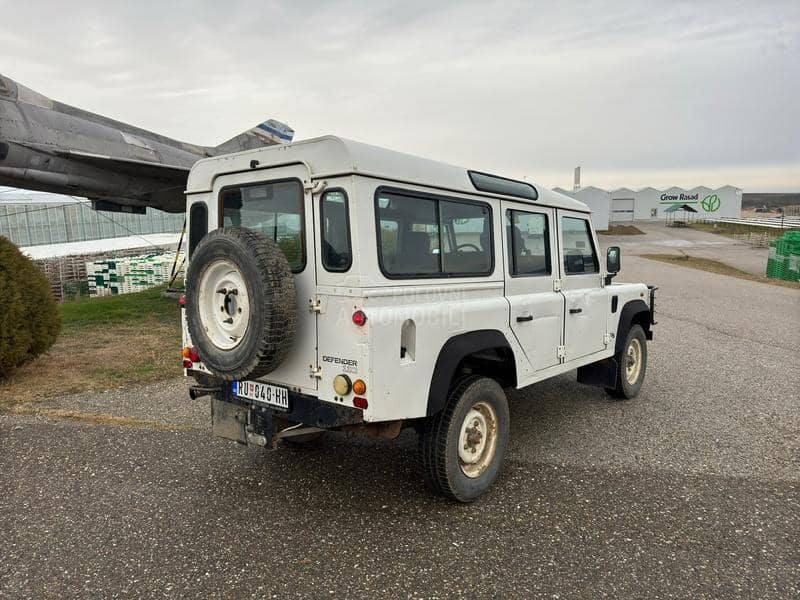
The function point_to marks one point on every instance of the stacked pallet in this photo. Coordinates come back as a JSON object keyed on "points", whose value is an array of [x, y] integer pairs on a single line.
{"points": [[784, 257], [130, 274]]}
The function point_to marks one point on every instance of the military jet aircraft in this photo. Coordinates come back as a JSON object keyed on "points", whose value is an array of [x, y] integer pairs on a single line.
{"points": [[52, 147]]}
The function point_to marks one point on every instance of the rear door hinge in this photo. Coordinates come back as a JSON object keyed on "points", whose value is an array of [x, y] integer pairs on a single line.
{"points": [[316, 372], [315, 187], [561, 352], [608, 338], [315, 305], [556, 285]]}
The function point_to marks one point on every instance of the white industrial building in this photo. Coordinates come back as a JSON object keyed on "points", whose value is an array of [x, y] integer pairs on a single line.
{"points": [[648, 204]]}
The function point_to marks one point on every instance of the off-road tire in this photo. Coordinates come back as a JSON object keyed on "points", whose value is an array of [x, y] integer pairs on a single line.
{"points": [[439, 440], [624, 389], [271, 298]]}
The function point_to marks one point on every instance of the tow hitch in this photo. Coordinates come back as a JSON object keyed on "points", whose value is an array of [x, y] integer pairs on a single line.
{"points": [[244, 424]]}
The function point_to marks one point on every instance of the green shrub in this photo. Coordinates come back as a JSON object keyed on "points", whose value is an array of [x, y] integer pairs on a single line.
{"points": [[29, 319]]}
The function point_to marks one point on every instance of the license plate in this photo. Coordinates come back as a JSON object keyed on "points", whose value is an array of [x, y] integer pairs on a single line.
{"points": [[262, 393]]}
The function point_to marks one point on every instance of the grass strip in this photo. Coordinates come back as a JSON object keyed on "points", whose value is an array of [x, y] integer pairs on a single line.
{"points": [[104, 343], [714, 266]]}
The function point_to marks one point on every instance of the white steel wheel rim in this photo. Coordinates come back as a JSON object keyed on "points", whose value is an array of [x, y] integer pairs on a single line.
{"points": [[223, 304], [633, 361], [477, 440]]}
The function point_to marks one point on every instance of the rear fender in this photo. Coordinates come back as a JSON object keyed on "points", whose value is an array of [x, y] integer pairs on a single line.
{"points": [[451, 357]]}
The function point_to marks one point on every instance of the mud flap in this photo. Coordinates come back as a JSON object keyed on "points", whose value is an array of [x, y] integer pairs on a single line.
{"points": [[602, 373], [242, 424]]}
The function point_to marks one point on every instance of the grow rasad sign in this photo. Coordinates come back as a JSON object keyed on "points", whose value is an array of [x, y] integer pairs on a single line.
{"points": [[711, 203]]}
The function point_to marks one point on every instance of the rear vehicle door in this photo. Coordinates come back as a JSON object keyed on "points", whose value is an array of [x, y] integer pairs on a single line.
{"points": [[275, 203], [537, 308], [582, 285]]}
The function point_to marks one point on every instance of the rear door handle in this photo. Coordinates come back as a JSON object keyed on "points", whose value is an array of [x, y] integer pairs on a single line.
{"points": [[575, 311], [523, 319]]}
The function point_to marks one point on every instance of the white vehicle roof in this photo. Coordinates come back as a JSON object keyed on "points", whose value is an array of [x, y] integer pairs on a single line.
{"points": [[331, 156]]}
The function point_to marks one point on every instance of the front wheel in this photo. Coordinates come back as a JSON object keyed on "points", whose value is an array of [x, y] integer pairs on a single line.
{"points": [[632, 364], [462, 447]]}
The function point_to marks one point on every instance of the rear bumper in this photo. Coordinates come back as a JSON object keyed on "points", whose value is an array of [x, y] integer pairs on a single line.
{"points": [[308, 410], [250, 423]]}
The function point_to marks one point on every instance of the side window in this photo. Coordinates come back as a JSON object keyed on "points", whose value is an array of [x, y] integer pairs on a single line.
{"points": [[198, 224], [528, 243], [579, 254], [409, 235], [433, 237], [337, 255], [467, 238], [273, 209]]}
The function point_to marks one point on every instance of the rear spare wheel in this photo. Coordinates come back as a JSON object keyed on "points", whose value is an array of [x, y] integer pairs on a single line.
{"points": [[240, 303]]}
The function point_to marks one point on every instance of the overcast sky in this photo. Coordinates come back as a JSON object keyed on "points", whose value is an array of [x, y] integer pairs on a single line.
{"points": [[638, 93]]}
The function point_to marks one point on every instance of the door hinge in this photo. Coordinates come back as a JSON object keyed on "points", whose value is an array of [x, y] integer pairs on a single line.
{"points": [[556, 285], [608, 338], [315, 187], [315, 305], [316, 372], [561, 352]]}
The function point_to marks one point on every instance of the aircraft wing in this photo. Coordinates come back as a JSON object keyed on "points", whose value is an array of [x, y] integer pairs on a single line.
{"points": [[129, 166]]}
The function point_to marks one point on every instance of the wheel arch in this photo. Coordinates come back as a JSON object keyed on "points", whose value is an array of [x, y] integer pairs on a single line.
{"points": [[634, 312], [485, 351]]}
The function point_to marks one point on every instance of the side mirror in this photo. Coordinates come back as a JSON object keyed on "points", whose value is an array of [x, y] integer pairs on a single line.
{"points": [[613, 262]]}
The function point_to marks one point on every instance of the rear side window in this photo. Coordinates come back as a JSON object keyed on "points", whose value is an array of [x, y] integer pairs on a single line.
{"points": [[336, 249], [579, 254], [198, 224], [528, 243], [426, 236], [273, 209]]}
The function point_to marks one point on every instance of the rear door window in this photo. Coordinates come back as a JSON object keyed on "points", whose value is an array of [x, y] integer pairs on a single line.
{"points": [[273, 209], [528, 243]]}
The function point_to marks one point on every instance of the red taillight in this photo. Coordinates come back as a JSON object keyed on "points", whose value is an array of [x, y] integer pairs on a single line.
{"points": [[190, 354], [361, 403], [187, 364], [359, 318], [182, 300]]}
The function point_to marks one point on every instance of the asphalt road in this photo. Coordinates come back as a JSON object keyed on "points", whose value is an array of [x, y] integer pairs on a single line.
{"points": [[691, 490]]}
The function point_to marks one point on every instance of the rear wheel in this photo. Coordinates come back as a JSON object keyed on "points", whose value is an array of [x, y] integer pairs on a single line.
{"points": [[462, 447], [632, 364]]}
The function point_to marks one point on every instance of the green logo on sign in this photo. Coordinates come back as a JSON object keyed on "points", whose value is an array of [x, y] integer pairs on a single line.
{"points": [[710, 203]]}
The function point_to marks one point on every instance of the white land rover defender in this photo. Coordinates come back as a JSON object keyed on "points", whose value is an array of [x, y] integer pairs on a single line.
{"points": [[337, 285]]}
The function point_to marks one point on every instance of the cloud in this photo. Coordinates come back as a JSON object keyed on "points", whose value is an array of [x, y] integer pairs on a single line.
{"points": [[639, 90]]}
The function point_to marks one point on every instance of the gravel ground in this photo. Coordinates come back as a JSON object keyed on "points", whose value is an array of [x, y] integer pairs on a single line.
{"points": [[691, 490]]}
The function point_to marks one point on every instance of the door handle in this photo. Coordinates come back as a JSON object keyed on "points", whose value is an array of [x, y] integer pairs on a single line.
{"points": [[523, 319], [575, 311]]}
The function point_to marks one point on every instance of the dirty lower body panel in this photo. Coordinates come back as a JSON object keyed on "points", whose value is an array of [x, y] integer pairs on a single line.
{"points": [[248, 422]]}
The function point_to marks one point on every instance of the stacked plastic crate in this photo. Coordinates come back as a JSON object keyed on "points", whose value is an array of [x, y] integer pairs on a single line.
{"points": [[130, 274], [784, 257]]}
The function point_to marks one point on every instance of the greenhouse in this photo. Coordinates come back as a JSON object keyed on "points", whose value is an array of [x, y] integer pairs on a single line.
{"points": [[32, 219]]}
